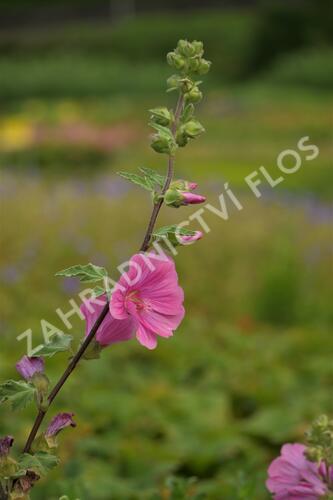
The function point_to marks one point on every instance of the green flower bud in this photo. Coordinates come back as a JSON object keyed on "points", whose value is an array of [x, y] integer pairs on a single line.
{"points": [[181, 138], [186, 48], [198, 47], [186, 85], [41, 382], [162, 116], [194, 95], [173, 82], [175, 60], [173, 198], [193, 129], [194, 64], [204, 66], [162, 144]]}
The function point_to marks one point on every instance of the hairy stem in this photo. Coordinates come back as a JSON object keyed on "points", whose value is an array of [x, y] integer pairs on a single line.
{"points": [[156, 209]]}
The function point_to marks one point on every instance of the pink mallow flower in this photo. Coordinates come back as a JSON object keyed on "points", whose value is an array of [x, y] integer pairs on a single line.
{"points": [[59, 422], [149, 298], [111, 330], [292, 477], [27, 367], [188, 239]]}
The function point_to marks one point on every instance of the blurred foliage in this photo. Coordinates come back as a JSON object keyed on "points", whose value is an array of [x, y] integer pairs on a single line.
{"points": [[91, 59], [306, 68]]}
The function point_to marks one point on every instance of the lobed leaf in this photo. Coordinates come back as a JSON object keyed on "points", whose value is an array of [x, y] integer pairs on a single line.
{"points": [[88, 273], [149, 180], [18, 393], [58, 343], [136, 179], [165, 231], [41, 462]]}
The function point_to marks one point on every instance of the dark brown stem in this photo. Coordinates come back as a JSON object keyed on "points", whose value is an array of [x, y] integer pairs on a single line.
{"points": [[157, 206], [65, 375]]}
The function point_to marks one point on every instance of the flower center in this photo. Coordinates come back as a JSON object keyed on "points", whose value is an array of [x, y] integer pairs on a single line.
{"points": [[134, 298]]}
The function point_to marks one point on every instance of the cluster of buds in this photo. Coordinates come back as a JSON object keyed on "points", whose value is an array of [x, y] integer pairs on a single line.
{"points": [[181, 193], [187, 58], [175, 130], [320, 441]]}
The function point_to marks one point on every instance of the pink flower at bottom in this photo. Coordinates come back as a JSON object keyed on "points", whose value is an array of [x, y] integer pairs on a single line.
{"points": [[149, 296], [292, 477]]}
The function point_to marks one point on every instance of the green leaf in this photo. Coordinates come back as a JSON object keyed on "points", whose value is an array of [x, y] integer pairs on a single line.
{"points": [[88, 273], [165, 231], [58, 343], [171, 233], [18, 393], [136, 179], [149, 180], [41, 462], [163, 131], [98, 291], [153, 177]]}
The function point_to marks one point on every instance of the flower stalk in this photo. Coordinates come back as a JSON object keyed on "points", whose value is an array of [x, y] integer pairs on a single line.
{"points": [[149, 310]]}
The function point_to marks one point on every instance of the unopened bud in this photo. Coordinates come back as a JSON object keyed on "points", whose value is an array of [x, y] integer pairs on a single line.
{"points": [[204, 66], [162, 144], [175, 60], [162, 116], [181, 138], [194, 64], [175, 198], [174, 81], [188, 239], [183, 185], [41, 382], [194, 95], [193, 129], [198, 47], [186, 48]]}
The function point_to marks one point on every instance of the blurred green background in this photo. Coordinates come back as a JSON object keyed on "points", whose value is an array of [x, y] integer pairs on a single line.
{"points": [[251, 364]]}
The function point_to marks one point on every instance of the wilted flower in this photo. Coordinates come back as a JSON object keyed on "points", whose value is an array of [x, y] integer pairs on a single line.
{"points": [[111, 330], [5, 445], [292, 476], [59, 422], [149, 294], [24, 484], [28, 367]]}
